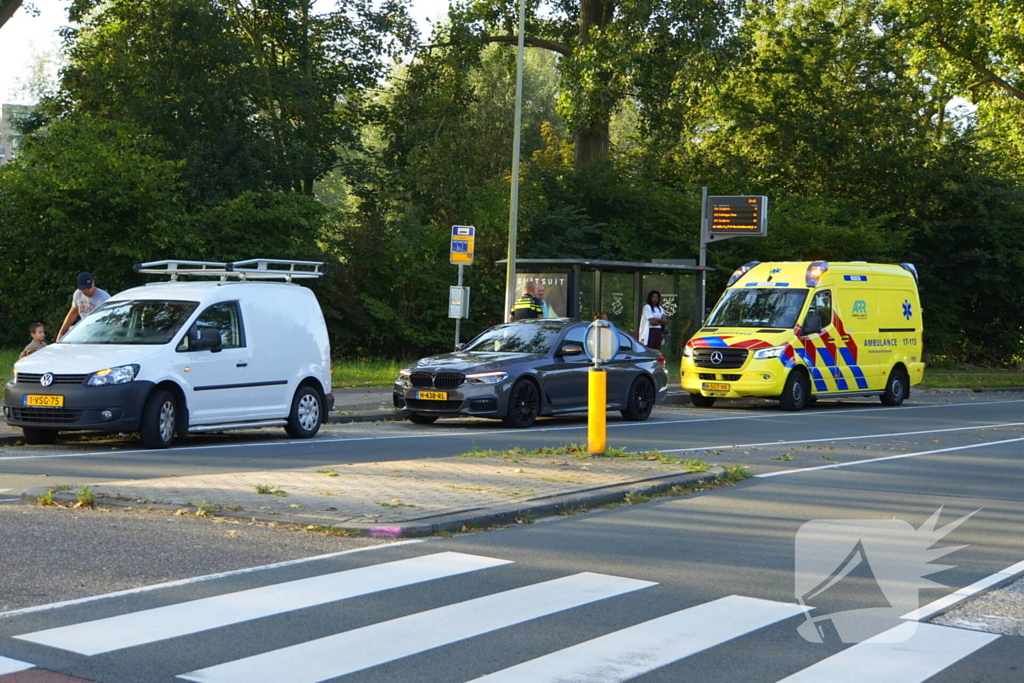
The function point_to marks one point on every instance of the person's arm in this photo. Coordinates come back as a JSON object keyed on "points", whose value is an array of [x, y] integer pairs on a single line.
{"points": [[69, 320]]}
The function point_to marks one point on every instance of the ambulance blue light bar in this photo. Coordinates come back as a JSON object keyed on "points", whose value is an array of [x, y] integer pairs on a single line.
{"points": [[815, 271], [741, 271], [911, 268]]}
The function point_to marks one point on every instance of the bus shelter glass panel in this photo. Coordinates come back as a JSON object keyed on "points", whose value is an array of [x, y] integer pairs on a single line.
{"points": [[618, 300], [551, 288], [679, 299]]}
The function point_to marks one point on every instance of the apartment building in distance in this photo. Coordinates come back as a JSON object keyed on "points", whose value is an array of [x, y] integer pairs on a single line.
{"points": [[9, 136]]}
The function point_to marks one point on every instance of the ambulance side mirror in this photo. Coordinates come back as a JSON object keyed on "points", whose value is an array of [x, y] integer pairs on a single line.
{"points": [[812, 325]]}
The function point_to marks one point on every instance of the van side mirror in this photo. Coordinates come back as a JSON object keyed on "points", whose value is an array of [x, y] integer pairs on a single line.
{"points": [[204, 339], [570, 350], [812, 325]]}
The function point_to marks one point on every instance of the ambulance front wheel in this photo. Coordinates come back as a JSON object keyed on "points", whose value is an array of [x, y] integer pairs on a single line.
{"points": [[796, 391], [702, 401], [896, 388]]}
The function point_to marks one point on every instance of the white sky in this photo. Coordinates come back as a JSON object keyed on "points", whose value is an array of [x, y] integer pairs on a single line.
{"points": [[25, 37]]}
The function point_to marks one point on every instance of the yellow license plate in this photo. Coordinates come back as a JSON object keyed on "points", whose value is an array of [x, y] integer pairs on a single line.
{"points": [[712, 386], [37, 401], [432, 395]]}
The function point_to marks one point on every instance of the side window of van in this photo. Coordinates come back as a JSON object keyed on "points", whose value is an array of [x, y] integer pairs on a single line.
{"points": [[226, 319], [822, 307]]}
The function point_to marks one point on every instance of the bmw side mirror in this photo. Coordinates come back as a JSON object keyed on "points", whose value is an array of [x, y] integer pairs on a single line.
{"points": [[570, 350], [459, 347]]}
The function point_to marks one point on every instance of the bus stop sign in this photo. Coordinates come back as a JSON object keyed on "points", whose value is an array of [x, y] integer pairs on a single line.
{"points": [[463, 237]]}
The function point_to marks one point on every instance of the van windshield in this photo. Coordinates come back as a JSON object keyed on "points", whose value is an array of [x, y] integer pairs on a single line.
{"points": [[132, 322], [757, 307]]}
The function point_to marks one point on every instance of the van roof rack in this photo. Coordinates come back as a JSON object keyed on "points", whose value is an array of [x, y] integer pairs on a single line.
{"points": [[250, 269]]}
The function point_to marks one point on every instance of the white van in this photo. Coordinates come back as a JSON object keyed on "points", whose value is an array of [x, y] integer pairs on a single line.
{"points": [[172, 358]]}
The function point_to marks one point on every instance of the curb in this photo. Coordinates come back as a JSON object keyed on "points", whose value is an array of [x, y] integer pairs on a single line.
{"points": [[480, 518], [971, 390]]}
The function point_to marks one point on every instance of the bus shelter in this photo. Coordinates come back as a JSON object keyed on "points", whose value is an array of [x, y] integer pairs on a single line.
{"points": [[580, 288]]}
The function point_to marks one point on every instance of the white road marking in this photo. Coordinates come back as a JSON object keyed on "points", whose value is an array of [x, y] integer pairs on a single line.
{"points": [[473, 434], [344, 653], [195, 616], [844, 438], [947, 602], [926, 651], [199, 579], [623, 655], [10, 666], [888, 457]]}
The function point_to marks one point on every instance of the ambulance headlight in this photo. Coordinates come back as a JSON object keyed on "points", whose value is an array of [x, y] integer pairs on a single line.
{"points": [[765, 354], [687, 351]]}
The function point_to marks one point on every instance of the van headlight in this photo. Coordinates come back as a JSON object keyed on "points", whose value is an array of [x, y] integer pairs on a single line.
{"points": [[119, 375], [773, 352], [687, 351], [486, 377]]}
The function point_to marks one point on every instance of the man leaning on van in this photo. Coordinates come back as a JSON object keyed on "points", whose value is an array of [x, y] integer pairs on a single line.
{"points": [[87, 298]]}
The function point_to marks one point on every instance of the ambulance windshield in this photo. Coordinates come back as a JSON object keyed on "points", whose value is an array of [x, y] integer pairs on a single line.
{"points": [[757, 307]]}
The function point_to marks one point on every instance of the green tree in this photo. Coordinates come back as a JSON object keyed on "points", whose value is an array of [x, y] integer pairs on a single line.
{"points": [[662, 53], [90, 195]]}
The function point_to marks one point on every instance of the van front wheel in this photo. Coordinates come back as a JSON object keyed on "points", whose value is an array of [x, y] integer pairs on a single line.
{"points": [[796, 392], [895, 388], [307, 414], [36, 436], [702, 401], [159, 420]]}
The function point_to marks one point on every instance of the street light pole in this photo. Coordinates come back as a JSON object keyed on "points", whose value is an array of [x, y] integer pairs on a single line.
{"points": [[513, 213]]}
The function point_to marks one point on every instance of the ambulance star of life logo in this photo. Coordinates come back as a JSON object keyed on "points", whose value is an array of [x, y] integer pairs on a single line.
{"points": [[908, 311], [877, 565]]}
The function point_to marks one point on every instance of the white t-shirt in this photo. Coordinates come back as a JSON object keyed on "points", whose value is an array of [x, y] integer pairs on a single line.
{"points": [[645, 325], [87, 304]]}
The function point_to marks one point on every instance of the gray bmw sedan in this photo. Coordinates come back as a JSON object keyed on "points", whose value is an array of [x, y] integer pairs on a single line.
{"points": [[522, 370]]}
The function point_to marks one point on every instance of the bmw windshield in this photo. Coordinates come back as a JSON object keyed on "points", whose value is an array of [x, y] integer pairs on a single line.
{"points": [[757, 307], [132, 322], [529, 338]]}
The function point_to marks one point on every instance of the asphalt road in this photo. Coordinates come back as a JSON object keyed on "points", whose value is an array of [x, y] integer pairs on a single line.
{"points": [[666, 557], [755, 434]]}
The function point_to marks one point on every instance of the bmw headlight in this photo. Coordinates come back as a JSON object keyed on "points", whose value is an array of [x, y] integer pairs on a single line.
{"points": [[486, 377], [119, 375], [773, 352], [403, 377]]}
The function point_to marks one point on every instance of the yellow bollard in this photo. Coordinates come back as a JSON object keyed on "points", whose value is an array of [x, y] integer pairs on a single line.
{"points": [[597, 408]]}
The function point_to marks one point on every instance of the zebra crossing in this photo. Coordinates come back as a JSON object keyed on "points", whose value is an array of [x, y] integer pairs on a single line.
{"points": [[619, 655]]}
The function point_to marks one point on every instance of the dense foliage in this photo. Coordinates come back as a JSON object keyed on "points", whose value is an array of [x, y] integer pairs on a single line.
{"points": [[882, 130]]}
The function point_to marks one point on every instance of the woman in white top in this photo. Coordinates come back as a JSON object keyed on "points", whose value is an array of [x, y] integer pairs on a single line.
{"points": [[653, 322]]}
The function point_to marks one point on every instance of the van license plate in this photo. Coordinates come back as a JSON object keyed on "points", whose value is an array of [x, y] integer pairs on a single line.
{"points": [[432, 395], [36, 401], [712, 386]]}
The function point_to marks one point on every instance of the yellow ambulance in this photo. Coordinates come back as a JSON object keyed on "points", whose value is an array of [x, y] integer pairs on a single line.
{"points": [[807, 330]]}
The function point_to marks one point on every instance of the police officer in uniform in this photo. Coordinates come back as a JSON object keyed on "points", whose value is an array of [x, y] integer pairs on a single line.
{"points": [[528, 305]]}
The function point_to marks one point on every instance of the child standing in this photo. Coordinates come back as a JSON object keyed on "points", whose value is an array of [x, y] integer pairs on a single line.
{"points": [[38, 334]]}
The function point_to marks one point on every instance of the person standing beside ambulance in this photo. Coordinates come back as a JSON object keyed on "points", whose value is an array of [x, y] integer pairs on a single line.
{"points": [[87, 298]]}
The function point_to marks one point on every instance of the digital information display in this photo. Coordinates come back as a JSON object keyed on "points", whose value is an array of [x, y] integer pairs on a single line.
{"points": [[744, 215]]}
